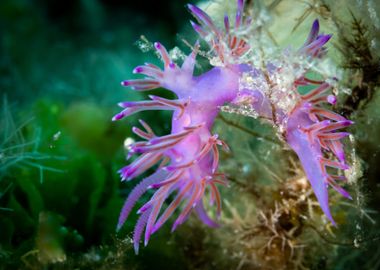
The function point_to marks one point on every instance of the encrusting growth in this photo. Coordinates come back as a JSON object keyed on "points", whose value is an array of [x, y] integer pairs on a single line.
{"points": [[187, 159]]}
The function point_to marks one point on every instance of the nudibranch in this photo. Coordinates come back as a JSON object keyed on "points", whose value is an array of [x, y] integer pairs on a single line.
{"points": [[187, 159]]}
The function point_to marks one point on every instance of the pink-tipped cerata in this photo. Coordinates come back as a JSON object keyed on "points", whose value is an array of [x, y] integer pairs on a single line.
{"points": [[186, 161]]}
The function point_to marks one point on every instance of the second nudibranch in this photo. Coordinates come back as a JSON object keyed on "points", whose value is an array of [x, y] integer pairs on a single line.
{"points": [[190, 153]]}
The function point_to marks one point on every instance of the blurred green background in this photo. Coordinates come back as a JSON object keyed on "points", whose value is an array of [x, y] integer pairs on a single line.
{"points": [[61, 64]]}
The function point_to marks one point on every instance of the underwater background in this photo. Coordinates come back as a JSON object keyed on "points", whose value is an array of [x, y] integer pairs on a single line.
{"points": [[61, 64]]}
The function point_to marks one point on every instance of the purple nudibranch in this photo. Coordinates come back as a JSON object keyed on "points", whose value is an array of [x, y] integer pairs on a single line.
{"points": [[187, 159]]}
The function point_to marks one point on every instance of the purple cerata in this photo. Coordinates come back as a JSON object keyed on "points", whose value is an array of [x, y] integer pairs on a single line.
{"points": [[187, 158]]}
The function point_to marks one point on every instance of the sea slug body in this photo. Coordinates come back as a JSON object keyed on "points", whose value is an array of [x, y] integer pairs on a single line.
{"points": [[187, 159]]}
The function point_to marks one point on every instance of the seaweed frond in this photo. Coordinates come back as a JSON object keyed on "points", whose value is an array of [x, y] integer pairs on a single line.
{"points": [[356, 47], [16, 149]]}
